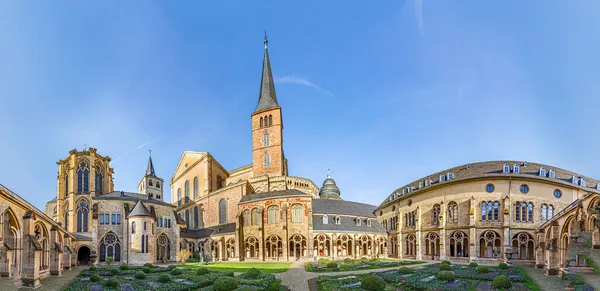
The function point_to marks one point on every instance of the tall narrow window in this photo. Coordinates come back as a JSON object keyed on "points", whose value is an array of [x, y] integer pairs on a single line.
{"points": [[219, 182], [483, 210], [516, 169], [542, 172], [297, 213], [133, 227], [67, 217], [196, 217], [325, 219], [82, 216], [544, 212], [143, 244], [222, 211], [506, 168], [530, 212], [442, 178], [261, 122], [187, 190], [266, 139], [435, 214], [496, 206], [524, 212], [246, 216], [551, 174], [178, 196], [98, 180], [66, 184], [273, 215], [550, 211], [83, 178], [453, 212], [195, 187], [187, 219], [255, 217], [267, 160], [490, 210], [270, 120], [518, 211]]}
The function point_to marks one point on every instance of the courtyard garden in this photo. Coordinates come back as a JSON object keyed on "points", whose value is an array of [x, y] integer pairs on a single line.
{"points": [[444, 276], [172, 278], [324, 265]]}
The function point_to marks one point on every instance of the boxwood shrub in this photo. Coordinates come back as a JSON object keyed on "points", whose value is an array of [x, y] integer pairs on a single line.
{"points": [[176, 272], [164, 278], [372, 283], [405, 270], [253, 273], [96, 278], [446, 262], [114, 271], [146, 270], [112, 283], [140, 275], [202, 271], [445, 267], [445, 275], [332, 265], [124, 267], [92, 268], [225, 284], [171, 267], [502, 266], [501, 282], [148, 265], [473, 264], [482, 269], [348, 260]]}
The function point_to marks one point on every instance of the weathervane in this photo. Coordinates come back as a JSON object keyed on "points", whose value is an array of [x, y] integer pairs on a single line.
{"points": [[328, 173], [150, 152], [266, 41]]}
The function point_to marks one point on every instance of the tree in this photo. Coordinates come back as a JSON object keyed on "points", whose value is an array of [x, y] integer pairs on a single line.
{"points": [[110, 260], [183, 255]]}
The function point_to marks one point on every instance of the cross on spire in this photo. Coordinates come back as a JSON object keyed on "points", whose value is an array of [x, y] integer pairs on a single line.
{"points": [[150, 152], [328, 173], [266, 41]]}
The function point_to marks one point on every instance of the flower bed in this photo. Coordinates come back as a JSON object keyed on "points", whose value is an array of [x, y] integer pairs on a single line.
{"points": [[351, 265], [189, 279]]}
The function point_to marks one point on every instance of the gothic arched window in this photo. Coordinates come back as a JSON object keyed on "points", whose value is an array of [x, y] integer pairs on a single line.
{"points": [[133, 227], [83, 173], [187, 190], [453, 212], [196, 217], [178, 196], [266, 160], [195, 187], [67, 182], [110, 247], [99, 180], [246, 217], [222, 211], [273, 215], [261, 122], [187, 219], [266, 139], [66, 217], [435, 214], [158, 184], [82, 216], [270, 119], [255, 217], [297, 213]]}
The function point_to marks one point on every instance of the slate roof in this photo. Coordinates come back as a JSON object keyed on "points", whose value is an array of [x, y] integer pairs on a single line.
{"points": [[273, 194], [342, 207], [495, 169], [208, 231], [139, 209], [267, 97], [150, 168], [347, 223], [130, 196], [79, 236]]}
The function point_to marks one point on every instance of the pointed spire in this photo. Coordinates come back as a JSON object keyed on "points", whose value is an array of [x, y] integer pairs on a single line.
{"points": [[150, 168], [267, 97]]}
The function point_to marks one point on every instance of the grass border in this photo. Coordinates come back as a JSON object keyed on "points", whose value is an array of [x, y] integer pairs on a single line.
{"points": [[529, 282]]}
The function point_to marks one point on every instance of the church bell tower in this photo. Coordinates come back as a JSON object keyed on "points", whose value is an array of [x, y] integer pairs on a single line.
{"points": [[150, 184], [267, 127]]}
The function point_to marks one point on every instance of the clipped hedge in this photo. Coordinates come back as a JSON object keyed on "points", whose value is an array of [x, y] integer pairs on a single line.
{"points": [[502, 282], [332, 265], [445, 275], [176, 272], [171, 267], [253, 273], [146, 270], [202, 271], [446, 262], [502, 266], [405, 270], [348, 260], [96, 278], [112, 283], [140, 275], [124, 267], [148, 265], [114, 271], [473, 264], [93, 268], [164, 278], [482, 269], [372, 283], [445, 267], [225, 284]]}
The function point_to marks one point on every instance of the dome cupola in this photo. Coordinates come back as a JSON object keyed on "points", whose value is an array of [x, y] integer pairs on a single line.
{"points": [[329, 190]]}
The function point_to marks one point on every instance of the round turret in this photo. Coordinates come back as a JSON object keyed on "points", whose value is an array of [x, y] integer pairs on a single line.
{"points": [[329, 190]]}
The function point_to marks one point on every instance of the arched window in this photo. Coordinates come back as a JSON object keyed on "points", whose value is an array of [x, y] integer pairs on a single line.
{"points": [[66, 217], [551, 173], [338, 220], [273, 215], [435, 215], [358, 221], [518, 211], [247, 221], [98, 180], [261, 122], [110, 247], [145, 225], [158, 184], [266, 160], [550, 211], [453, 212], [187, 219], [82, 216], [270, 120], [516, 169], [83, 178], [530, 212], [266, 139], [133, 227], [506, 168], [325, 219], [297, 213], [483, 210], [219, 182], [187, 190], [544, 212], [178, 196], [149, 182], [222, 211], [542, 172], [255, 217], [442, 178], [496, 206], [195, 187], [143, 244], [196, 217], [67, 183]]}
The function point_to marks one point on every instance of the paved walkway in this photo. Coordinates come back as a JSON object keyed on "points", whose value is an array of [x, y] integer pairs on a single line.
{"points": [[296, 278], [591, 279], [546, 283], [48, 283]]}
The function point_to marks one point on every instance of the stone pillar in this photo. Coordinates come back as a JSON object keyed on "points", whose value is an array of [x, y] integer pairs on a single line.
{"points": [[400, 253], [596, 237], [357, 249], [539, 250], [553, 265], [418, 234], [333, 246], [31, 254], [66, 255], [261, 237], [55, 252], [473, 244]]}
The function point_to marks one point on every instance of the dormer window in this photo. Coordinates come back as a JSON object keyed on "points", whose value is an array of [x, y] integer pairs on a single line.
{"points": [[368, 223], [338, 220], [574, 180], [506, 168], [325, 219], [582, 182], [598, 186], [450, 176], [542, 172], [420, 184], [516, 169], [442, 178], [551, 174], [358, 221], [427, 182]]}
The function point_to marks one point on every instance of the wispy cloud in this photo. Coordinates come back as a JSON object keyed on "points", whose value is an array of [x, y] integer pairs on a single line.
{"points": [[145, 144], [295, 79], [419, 15]]}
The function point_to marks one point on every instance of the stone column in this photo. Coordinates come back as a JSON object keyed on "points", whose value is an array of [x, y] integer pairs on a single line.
{"points": [[539, 250], [55, 252], [7, 239], [66, 255], [399, 247], [31, 254], [356, 243], [419, 249], [333, 246], [473, 239], [261, 237], [553, 265]]}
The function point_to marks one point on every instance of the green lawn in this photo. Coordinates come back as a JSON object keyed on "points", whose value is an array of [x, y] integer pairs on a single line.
{"points": [[266, 267]]}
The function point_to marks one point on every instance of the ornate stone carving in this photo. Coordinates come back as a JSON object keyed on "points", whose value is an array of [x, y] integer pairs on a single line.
{"points": [[552, 245]]}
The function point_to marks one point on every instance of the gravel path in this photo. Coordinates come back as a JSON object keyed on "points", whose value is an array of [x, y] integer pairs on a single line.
{"points": [[296, 278], [48, 283]]}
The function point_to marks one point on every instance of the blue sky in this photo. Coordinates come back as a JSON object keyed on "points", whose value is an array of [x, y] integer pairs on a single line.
{"points": [[382, 94]]}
